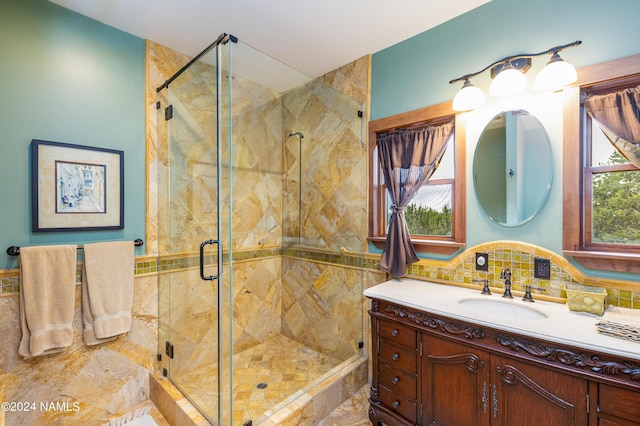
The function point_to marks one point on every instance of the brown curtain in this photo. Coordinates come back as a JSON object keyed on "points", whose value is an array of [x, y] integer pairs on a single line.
{"points": [[618, 115], [408, 158]]}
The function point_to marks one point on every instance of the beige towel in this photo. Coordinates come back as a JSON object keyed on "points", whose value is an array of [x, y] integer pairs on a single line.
{"points": [[107, 290], [47, 298]]}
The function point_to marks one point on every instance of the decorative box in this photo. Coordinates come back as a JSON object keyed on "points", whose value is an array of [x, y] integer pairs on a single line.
{"points": [[582, 298]]}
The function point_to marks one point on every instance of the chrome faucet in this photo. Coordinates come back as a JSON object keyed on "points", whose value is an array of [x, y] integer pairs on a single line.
{"points": [[506, 276]]}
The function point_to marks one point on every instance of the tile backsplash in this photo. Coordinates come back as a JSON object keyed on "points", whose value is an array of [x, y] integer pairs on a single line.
{"points": [[520, 259]]}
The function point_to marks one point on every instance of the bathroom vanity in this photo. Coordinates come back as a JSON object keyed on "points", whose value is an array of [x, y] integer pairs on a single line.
{"points": [[445, 355]]}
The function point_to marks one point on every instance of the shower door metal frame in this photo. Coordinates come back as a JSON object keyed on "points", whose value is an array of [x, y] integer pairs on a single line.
{"points": [[223, 39]]}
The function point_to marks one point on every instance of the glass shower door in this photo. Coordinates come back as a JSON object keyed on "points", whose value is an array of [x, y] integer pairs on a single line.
{"points": [[189, 231]]}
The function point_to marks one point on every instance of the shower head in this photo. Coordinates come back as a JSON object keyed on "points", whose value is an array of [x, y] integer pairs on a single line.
{"points": [[297, 134]]}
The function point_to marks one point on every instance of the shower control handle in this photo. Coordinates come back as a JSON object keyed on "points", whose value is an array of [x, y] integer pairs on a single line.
{"points": [[202, 245]]}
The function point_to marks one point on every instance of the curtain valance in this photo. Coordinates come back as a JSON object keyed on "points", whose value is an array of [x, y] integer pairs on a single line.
{"points": [[618, 115]]}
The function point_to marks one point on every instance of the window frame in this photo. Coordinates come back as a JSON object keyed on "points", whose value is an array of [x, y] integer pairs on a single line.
{"points": [[610, 257], [589, 174], [435, 114]]}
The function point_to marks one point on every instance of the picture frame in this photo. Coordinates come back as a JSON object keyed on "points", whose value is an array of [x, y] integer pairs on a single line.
{"points": [[76, 187]]}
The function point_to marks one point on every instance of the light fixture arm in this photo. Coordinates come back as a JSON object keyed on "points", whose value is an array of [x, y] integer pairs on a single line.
{"points": [[506, 59]]}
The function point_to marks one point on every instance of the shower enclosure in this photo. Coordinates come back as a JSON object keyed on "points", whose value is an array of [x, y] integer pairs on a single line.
{"points": [[261, 209]]}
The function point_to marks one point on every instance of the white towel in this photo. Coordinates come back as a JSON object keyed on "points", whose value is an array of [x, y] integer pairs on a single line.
{"points": [[107, 290], [47, 299]]}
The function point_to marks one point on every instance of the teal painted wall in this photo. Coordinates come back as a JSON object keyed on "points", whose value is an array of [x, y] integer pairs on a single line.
{"points": [[67, 78], [416, 73]]}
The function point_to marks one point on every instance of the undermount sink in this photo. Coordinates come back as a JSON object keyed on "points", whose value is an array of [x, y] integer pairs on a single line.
{"points": [[501, 308]]}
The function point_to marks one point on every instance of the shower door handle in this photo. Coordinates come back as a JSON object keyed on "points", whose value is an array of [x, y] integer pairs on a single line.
{"points": [[202, 276]]}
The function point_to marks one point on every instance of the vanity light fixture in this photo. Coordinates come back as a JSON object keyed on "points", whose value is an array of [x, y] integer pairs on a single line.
{"points": [[508, 76], [509, 80], [556, 73], [469, 97]]}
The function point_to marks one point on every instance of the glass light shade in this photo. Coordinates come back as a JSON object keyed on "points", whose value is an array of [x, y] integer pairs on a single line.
{"points": [[508, 82], [555, 75], [468, 98]]}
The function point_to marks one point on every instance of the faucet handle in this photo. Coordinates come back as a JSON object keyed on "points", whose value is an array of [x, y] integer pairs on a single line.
{"points": [[527, 294], [485, 289]]}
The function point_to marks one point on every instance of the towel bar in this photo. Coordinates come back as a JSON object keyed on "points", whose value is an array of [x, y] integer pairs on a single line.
{"points": [[15, 250]]}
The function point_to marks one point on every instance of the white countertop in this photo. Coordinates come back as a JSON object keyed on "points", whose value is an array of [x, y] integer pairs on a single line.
{"points": [[554, 322]]}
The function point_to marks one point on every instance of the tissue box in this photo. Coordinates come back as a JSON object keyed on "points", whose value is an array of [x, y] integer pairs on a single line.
{"points": [[582, 298]]}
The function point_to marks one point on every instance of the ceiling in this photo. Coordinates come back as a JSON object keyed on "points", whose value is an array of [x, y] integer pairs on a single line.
{"points": [[313, 37]]}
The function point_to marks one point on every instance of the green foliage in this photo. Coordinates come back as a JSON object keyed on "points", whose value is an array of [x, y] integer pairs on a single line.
{"points": [[616, 205], [426, 221]]}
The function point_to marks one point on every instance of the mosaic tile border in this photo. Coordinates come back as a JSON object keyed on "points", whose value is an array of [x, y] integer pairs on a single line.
{"points": [[10, 284], [355, 261], [518, 257], [10, 278], [191, 260]]}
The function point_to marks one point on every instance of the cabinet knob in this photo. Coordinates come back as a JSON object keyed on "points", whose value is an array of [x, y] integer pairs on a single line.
{"points": [[394, 333], [396, 404], [395, 380], [395, 357]]}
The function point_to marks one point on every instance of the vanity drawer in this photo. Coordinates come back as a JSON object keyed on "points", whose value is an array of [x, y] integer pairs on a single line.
{"points": [[398, 381], [619, 402], [398, 357], [401, 405], [397, 334]]}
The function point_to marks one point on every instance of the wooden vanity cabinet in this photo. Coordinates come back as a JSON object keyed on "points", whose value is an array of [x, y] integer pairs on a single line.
{"points": [[463, 386], [396, 369], [455, 383], [618, 406], [432, 370], [531, 395]]}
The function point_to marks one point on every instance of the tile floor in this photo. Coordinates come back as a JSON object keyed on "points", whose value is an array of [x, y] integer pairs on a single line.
{"points": [[283, 365], [352, 412], [264, 377]]}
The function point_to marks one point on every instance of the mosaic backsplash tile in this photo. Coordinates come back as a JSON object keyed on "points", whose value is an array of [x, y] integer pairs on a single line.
{"points": [[520, 259]]}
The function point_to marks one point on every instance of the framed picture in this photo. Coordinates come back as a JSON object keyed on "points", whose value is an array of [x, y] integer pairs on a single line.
{"points": [[76, 187]]}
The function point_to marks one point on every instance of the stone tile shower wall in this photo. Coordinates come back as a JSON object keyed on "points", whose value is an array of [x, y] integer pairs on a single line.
{"points": [[257, 300], [256, 166], [324, 199], [326, 171], [266, 188], [257, 158], [320, 306]]}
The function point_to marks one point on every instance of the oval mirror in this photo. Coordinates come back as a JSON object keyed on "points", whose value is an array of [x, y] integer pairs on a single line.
{"points": [[513, 168]]}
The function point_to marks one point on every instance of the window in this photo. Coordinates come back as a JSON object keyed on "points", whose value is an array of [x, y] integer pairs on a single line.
{"points": [[435, 217], [601, 187], [611, 193], [429, 214]]}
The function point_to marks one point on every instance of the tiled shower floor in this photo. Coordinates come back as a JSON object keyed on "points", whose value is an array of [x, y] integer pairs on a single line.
{"points": [[282, 364]]}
